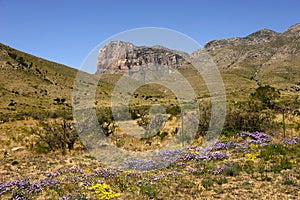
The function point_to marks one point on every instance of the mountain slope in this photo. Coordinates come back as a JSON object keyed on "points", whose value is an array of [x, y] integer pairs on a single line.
{"points": [[265, 56], [30, 84]]}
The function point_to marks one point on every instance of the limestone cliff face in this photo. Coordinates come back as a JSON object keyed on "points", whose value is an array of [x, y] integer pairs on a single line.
{"points": [[111, 54], [123, 57]]}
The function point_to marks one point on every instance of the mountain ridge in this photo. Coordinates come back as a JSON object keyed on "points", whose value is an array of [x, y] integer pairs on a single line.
{"points": [[264, 56]]}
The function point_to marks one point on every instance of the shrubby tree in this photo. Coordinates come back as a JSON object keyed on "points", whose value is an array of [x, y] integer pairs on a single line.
{"points": [[56, 134], [266, 95], [255, 114]]}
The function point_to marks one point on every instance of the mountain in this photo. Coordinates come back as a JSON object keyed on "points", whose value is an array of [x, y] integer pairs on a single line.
{"points": [[265, 56]]}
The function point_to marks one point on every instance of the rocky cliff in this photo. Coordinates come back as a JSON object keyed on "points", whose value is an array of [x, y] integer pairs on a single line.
{"points": [[124, 57]]}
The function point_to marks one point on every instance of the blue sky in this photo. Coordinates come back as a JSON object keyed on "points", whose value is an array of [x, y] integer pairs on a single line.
{"points": [[66, 31]]}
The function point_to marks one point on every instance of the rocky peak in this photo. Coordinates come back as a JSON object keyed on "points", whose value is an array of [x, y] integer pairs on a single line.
{"points": [[292, 31], [261, 36], [217, 44], [258, 37]]}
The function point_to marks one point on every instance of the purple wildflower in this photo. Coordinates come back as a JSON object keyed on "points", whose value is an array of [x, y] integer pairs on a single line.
{"points": [[290, 141]]}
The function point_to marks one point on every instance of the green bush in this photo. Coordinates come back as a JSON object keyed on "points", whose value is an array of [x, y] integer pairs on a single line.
{"points": [[266, 95], [284, 164], [207, 183], [15, 162], [41, 148], [233, 170], [106, 120], [221, 180], [288, 182], [150, 190], [269, 151], [174, 110], [163, 135]]}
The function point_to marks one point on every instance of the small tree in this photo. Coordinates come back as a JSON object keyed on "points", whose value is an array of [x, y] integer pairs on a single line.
{"points": [[266, 95]]}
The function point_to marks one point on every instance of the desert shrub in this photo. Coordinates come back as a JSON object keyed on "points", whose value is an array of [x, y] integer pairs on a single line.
{"points": [[59, 101], [141, 113], [106, 120], [205, 114], [133, 114], [57, 134], [221, 180], [266, 95], [150, 190], [15, 162], [4, 118], [255, 114], [144, 121], [120, 143], [65, 114], [12, 55], [39, 115], [248, 116], [207, 182], [163, 135], [175, 131], [288, 182], [233, 170], [174, 110], [41, 148], [43, 115]]}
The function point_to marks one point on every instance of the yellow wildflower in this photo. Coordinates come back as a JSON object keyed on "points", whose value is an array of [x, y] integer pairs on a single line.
{"points": [[251, 157], [195, 152], [253, 146], [175, 146], [87, 170], [104, 192]]}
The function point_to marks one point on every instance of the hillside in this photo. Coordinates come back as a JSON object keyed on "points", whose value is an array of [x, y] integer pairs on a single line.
{"points": [[31, 85]]}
